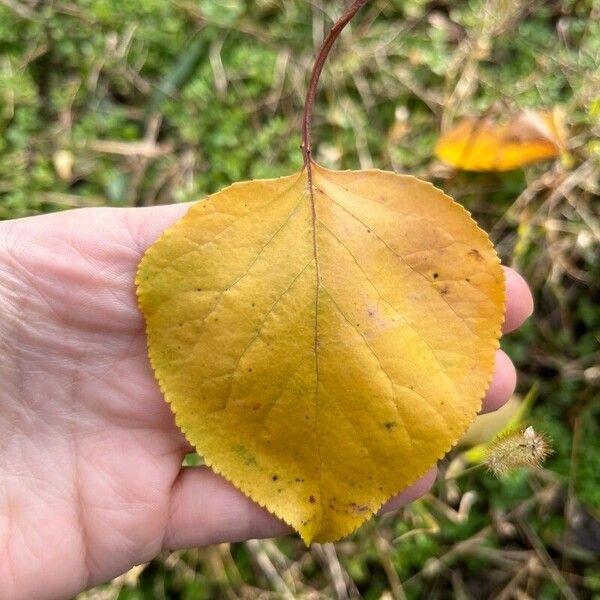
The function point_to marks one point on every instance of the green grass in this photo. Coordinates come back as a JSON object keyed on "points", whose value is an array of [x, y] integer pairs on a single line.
{"points": [[216, 89]]}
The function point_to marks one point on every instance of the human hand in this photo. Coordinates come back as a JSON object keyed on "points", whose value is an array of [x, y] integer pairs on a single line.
{"points": [[91, 481]]}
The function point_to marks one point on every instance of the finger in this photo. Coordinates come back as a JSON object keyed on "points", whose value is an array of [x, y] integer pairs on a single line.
{"points": [[206, 509], [410, 494], [519, 301], [145, 224], [503, 384]]}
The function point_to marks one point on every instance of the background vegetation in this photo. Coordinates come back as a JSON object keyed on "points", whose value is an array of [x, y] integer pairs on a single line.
{"points": [[124, 102]]}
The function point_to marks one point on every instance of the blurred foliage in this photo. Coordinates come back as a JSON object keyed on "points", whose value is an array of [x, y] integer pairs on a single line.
{"points": [[125, 103]]}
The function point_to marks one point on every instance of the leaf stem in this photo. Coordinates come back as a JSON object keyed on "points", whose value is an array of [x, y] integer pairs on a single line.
{"points": [[316, 73]]}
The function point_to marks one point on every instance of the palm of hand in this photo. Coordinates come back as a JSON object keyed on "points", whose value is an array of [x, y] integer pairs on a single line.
{"points": [[90, 456], [92, 476]]}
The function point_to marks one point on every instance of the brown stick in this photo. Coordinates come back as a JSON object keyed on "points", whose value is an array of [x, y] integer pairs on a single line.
{"points": [[316, 73]]}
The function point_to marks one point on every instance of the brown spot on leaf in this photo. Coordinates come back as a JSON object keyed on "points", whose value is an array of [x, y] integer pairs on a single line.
{"points": [[311, 499], [474, 253]]}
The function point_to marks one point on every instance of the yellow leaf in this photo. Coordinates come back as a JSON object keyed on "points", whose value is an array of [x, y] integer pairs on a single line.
{"points": [[484, 145], [323, 345]]}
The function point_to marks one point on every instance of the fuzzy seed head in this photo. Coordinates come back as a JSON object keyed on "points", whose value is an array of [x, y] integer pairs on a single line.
{"points": [[517, 448]]}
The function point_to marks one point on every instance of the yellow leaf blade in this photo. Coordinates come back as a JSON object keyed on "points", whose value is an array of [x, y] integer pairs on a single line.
{"points": [[323, 348]]}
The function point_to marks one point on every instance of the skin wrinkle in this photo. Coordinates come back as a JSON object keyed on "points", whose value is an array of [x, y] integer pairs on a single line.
{"points": [[8, 319], [102, 412], [19, 299], [173, 507], [77, 491], [75, 368], [26, 300], [6, 512], [6, 555], [123, 302], [17, 535], [69, 283], [22, 371]]}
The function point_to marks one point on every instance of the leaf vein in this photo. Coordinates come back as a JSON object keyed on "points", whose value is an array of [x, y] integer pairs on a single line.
{"points": [[381, 367], [397, 254], [259, 330]]}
